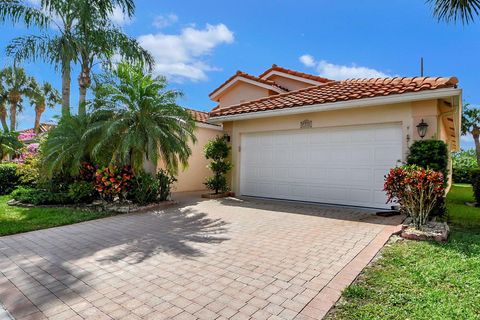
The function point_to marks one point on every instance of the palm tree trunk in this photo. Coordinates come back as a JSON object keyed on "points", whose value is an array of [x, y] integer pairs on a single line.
{"points": [[84, 82], [39, 109], [66, 79], [13, 115], [476, 135], [3, 118]]}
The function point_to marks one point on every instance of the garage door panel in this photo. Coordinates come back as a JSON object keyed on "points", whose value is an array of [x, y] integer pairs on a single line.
{"points": [[344, 165]]}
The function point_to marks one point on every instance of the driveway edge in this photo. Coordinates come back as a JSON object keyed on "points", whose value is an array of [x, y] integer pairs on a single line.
{"points": [[318, 307]]}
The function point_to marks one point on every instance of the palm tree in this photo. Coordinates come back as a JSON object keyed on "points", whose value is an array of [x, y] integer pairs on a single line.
{"points": [[454, 10], [471, 125], [65, 147], [42, 96], [139, 121], [17, 85], [3, 109], [101, 43], [62, 48]]}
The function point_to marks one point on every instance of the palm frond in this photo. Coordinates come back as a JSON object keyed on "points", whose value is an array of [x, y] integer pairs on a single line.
{"points": [[454, 10]]}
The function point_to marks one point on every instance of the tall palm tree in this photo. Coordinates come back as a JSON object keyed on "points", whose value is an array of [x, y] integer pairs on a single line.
{"points": [[17, 85], [101, 43], [61, 48], [3, 101], [42, 96], [140, 121], [454, 10]]}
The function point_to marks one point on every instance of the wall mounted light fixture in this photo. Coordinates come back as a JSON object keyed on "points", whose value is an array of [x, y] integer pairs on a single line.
{"points": [[422, 129]]}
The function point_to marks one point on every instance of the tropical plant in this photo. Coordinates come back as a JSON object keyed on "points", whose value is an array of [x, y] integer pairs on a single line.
{"points": [[144, 188], [82, 192], [217, 150], [113, 183], [84, 34], [471, 125], [17, 85], [417, 191], [9, 143], [454, 10], [139, 121], [42, 96], [28, 172], [463, 162], [65, 147], [429, 154], [165, 182]]}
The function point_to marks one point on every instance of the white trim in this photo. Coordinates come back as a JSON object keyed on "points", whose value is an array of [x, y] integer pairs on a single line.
{"points": [[209, 126], [365, 102], [291, 76], [241, 78]]}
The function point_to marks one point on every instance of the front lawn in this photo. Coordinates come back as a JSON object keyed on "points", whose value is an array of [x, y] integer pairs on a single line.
{"points": [[423, 280], [16, 220]]}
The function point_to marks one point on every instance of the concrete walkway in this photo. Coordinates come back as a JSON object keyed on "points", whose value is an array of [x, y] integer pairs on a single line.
{"points": [[213, 259]]}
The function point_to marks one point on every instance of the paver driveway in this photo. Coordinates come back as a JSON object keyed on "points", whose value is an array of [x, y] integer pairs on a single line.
{"points": [[198, 260]]}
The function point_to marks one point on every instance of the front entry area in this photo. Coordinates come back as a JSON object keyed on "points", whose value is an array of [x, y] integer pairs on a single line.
{"points": [[336, 165]]}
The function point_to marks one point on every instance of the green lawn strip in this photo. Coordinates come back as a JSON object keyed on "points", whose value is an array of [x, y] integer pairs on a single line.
{"points": [[423, 280], [15, 219]]}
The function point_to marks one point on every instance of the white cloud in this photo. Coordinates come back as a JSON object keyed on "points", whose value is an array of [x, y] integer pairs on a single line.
{"points": [[307, 60], [119, 18], [181, 56], [340, 72], [164, 20]]}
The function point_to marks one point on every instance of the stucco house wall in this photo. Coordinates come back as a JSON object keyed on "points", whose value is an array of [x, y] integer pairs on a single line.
{"points": [[241, 92], [192, 177], [407, 114]]}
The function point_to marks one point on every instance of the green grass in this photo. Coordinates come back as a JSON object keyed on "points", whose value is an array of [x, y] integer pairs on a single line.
{"points": [[16, 219], [423, 280]]}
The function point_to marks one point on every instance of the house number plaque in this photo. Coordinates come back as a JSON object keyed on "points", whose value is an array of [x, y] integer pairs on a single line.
{"points": [[306, 124]]}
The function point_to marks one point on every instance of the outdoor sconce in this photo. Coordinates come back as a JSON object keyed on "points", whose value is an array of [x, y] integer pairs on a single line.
{"points": [[226, 137], [422, 129]]}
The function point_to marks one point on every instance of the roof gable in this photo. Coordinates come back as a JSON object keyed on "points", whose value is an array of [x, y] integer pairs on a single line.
{"points": [[292, 74], [245, 77]]}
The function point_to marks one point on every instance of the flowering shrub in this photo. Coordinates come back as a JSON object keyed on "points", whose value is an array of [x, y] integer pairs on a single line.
{"points": [[26, 136], [112, 183], [417, 191]]}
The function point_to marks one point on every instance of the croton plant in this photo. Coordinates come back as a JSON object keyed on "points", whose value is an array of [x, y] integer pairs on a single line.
{"points": [[113, 182], [416, 190]]}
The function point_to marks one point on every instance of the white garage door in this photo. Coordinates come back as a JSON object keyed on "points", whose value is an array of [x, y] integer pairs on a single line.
{"points": [[342, 165]]}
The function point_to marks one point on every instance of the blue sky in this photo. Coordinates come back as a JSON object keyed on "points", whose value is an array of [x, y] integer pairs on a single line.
{"points": [[199, 44]]}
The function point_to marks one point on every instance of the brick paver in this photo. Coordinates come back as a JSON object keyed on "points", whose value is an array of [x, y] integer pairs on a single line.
{"points": [[213, 259]]}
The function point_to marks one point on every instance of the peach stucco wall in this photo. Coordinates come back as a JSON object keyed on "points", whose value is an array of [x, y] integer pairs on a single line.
{"points": [[193, 177], [242, 92], [407, 114]]}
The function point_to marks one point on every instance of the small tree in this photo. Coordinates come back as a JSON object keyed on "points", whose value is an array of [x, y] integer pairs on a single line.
{"points": [[471, 125], [217, 150]]}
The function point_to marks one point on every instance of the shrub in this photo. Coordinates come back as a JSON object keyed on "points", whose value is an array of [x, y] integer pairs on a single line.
{"points": [[475, 179], [417, 190], [165, 182], [82, 192], [29, 172], [217, 150], [39, 196], [144, 188], [463, 162], [429, 154], [8, 177], [87, 172], [113, 183]]}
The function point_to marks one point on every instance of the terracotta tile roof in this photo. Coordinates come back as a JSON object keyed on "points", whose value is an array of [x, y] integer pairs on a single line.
{"points": [[44, 127], [336, 91], [200, 116], [250, 77], [295, 73]]}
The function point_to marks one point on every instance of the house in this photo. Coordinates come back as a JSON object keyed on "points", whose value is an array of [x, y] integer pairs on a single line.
{"points": [[302, 137], [193, 177]]}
